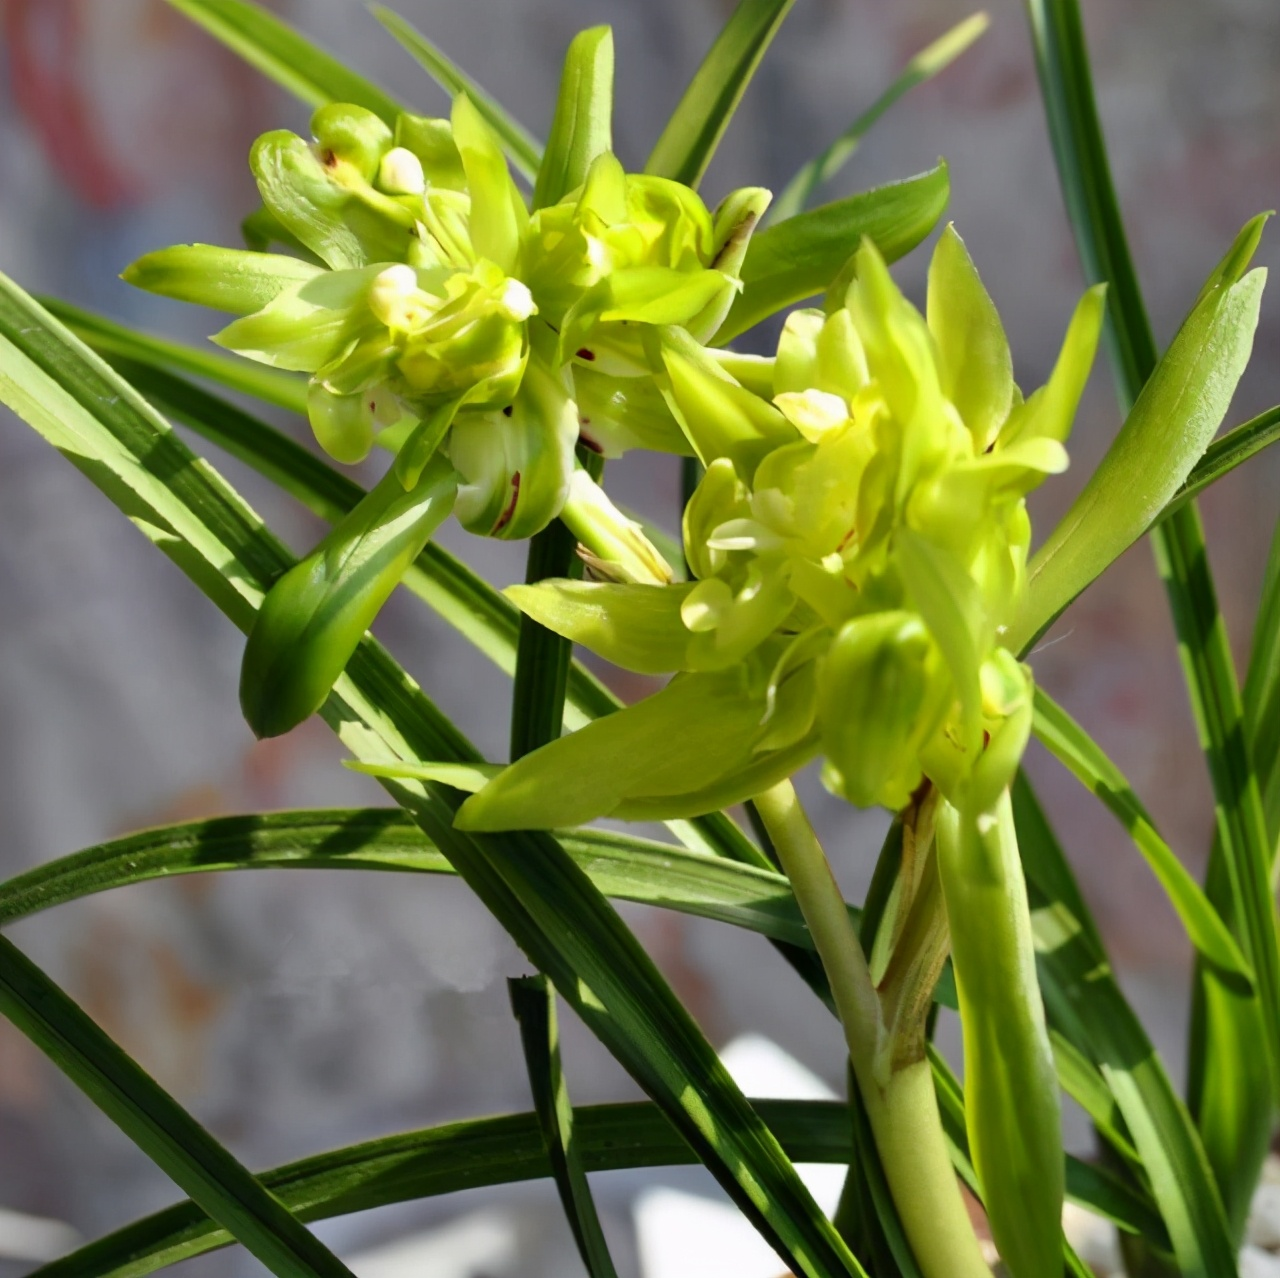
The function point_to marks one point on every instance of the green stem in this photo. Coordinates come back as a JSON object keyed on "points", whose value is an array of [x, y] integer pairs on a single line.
{"points": [[900, 1102]]}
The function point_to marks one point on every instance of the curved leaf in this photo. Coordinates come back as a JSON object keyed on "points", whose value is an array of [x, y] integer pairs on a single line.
{"points": [[1074, 748], [496, 1151], [522, 149], [286, 56], [799, 258], [1223, 456]]}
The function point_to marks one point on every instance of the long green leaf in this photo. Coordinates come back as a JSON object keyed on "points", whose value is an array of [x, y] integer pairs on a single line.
{"points": [[931, 60], [1262, 694], [800, 257], [498, 1151], [1233, 1106], [1074, 748], [157, 1124], [286, 56], [695, 128], [534, 1003], [1086, 1006], [527, 881], [521, 147], [115, 341], [620, 865]]}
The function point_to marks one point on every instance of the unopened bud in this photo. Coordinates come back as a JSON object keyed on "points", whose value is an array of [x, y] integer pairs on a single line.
{"points": [[400, 173]]}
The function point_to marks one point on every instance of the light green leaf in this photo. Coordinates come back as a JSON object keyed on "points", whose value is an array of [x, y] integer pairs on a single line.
{"points": [[226, 279], [527, 881], [974, 363], [286, 56], [1223, 456], [1176, 415], [522, 149], [1074, 748], [932, 59], [799, 258], [534, 1003], [696, 126], [637, 627], [160, 1127], [583, 123]]}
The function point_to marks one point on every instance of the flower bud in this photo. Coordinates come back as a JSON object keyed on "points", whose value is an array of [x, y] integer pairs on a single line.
{"points": [[343, 424], [400, 173], [883, 691], [616, 544], [351, 134]]}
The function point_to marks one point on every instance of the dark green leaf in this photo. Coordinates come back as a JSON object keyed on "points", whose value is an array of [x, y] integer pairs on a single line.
{"points": [[696, 126], [1086, 1007], [1073, 747], [534, 1003], [282, 53], [527, 881], [495, 1151], [800, 257], [521, 148], [160, 1127]]}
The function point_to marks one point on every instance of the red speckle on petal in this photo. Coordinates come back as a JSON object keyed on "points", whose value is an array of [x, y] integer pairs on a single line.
{"points": [[505, 518], [583, 353]]}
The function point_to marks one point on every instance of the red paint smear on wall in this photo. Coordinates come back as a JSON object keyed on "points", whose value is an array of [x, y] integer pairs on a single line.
{"points": [[43, 39]]}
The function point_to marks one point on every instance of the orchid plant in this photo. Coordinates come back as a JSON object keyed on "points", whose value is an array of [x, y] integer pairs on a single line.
{"points": [[854, 583]]}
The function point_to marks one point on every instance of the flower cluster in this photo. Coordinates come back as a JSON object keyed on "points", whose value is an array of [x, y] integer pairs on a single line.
{"points": [[441, 314], [857, 544]]}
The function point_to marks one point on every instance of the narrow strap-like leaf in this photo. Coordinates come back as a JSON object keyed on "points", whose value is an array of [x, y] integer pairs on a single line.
{"points": [[1084, 1003], [288, 57], [530, 884], [696, 126], [160, 1127], [931, 60], [1073, 747], [116, 341], [480, 1152], [620, 865], [534, 1003], [521, 147], [1241, 888]]}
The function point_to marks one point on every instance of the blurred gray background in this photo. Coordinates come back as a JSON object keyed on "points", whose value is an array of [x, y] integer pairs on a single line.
{"points": [[295, 1012]]}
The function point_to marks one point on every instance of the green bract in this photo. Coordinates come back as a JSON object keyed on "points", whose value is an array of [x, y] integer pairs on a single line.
{"points": [[859, 545]]}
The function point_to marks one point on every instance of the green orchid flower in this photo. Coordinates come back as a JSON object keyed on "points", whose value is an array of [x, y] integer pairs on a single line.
{"points": [[861, 528]]}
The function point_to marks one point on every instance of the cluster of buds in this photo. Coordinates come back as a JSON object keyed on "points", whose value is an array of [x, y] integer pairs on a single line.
{"points": [[440, 315], [857, 544]]}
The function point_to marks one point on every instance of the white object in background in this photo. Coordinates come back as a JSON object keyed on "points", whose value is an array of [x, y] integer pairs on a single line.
{"points": [[1256, 1263], [1095, 1240], [35, 1238], [483, 1242], [680, 1235]]}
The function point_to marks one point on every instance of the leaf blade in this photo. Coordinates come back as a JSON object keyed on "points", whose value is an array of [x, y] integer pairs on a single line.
{"points": [[690, 137], [286, 56]]}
